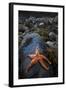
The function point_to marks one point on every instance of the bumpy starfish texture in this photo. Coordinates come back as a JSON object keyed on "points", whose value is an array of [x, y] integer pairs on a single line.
{"points": [[37, 57]]}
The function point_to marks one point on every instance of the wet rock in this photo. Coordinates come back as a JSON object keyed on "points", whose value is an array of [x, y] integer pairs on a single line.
{"points": [[44, 20], [41, 25], [53, 28], [32, 19], [28, 46], [56, 19], [23, 28], [51, 44], [35, 38], [52, 36], [28, 23], [35, 25], [51, 20], [21, 20]]}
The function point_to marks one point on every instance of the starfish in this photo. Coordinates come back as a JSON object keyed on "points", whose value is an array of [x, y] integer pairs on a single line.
{"points": [[37, 57]]}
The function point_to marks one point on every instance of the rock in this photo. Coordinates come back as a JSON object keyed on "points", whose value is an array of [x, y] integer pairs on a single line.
{"points": [[28, 23], [46, 20], [51, 20], [38, 19], [52, 36], [21, 36], [53, 28], [23, 28], [35, 25], [32, 19], [51, 44], [21, 20], [56, 19], [41, 25], [35, 39], [29, 43]]}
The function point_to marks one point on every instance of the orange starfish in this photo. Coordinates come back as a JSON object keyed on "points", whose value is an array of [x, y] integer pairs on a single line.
{"points": [[37, 57]]}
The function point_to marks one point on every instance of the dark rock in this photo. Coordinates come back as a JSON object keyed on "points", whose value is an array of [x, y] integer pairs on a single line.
{"points": [[51, 44], [56, 19], [23, 28], [32, 19], [53, 28], [28, 46], [51, 20], [52, 36], [29, 24], [21, 20], [46, 20]]}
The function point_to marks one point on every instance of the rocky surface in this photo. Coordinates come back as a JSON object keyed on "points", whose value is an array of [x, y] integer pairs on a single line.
{"points": [[31, 41], [42, 32]]}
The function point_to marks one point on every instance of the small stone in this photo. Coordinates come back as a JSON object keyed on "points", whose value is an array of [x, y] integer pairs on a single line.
{"points": [[52, 36]]}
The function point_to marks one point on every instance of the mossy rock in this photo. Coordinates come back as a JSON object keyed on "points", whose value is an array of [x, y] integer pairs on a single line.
{"points": [[43, 33]]}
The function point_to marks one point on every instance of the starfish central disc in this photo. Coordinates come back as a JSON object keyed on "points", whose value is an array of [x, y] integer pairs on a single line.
{"points": [[37, 57]]}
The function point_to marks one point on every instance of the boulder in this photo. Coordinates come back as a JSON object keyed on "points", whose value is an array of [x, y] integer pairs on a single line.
{"points": [[51, 20], [51, 44], [23, 28], [56, 19], [28, 46], [52, 36], [53, 28]]}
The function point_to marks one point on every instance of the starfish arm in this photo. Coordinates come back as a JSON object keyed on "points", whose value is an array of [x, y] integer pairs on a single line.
{"points": [[45, 58], [48, 60], [33, 62], [29, 67], [37, 51], [31, 56], [43, 64]]}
